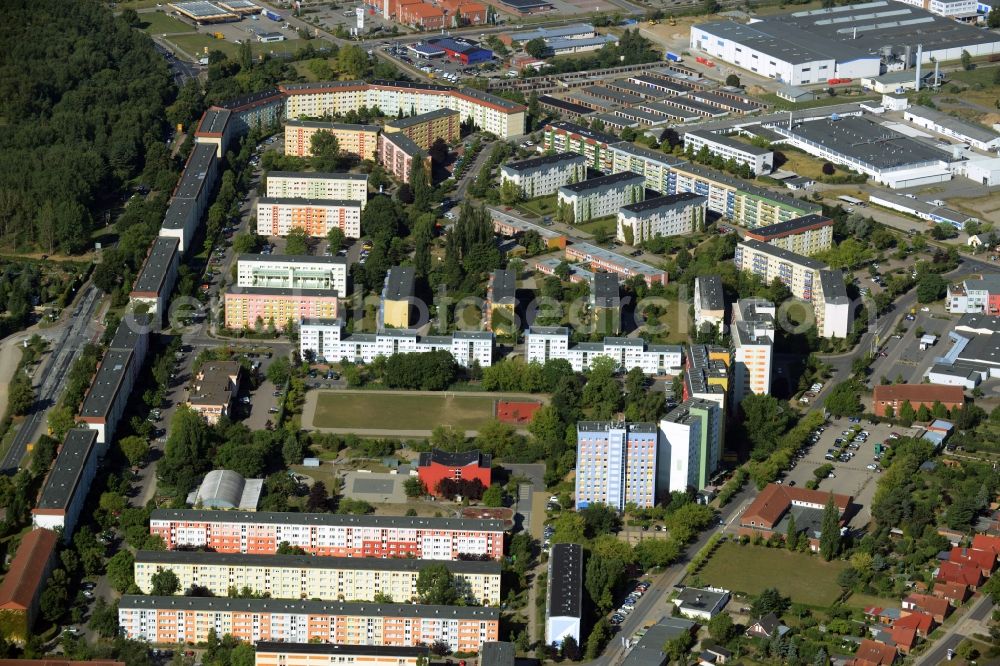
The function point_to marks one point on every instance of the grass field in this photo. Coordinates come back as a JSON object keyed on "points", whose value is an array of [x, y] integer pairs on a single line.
{"points": [[541, 206], [608, 224], [784, 105], [401, 411], [751, 569], [866, 600], [158, 23]]}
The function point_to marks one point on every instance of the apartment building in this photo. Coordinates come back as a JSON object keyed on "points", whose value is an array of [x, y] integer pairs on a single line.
{"points": [[255, 307], [188, 620], [360, 140], [566, 137], [310, 577], [602, 196], [542, 176], [278, 216], [214, 390], [422, 16], [501, 303], [806, 235], [191, 196], [833, 309], [753, 348], [215, 128], [326, 341], [157, 277], [564, 594], [709, 301], [318, 185], [488, 112], [397, 153], [800, 274], [281, 271], [669, 215], [264, 108], [605, 304], [543, 343], [599, 259], [328, 534], [760, 160], [691, 443], [975, 296], [67, 484], [707, 374], [397, 302], [654, 165], [426, 128], [267, 653], [617, 463], [23, 584]]}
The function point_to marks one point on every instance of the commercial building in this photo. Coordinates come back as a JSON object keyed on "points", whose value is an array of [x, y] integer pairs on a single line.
{"points": [[561, 46], [760, 160], [24, 583], [806, 235], [648, 651], [544, 343], [706, 374], [566, 137], [318, 185], [67, 484], [501, 303], [326, 341], [397, 153], [116, 375], [573, 31], [490, 113], [846, 42], [267, 653], [397, 298], [435, 466], [691, 443], [599, 259], [191, 197], [360, 140], [202, 12], [670, 215], [215, 128], [883, 154], [424, 129], [981, 295], [542, 176], [701, 603], [157, 276], [564, 594], [422, 16], [617, 463], [281, 271], [254, 307], [938, 122], [278, 216], [316, 578], [605, 304], [973, 355], [753, 348], [214, 389], [773, 508], [894, 396], [262, 109], [183, 620], [654, 165], [328, 534], [457, 48], [270, 37], [924, 210], [602, 196], [709, 302]]}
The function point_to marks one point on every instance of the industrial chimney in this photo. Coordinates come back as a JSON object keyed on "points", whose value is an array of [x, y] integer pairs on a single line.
{"points": [[920, 57]]}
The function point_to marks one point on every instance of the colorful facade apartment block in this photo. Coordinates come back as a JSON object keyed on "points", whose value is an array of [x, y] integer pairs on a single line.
{"points": [[277, 217], [317, 185], [189, 619], [616, 463], [360, 140], [246, 306], [397, 153], [329, 534], [267, 653], [424, 129]]}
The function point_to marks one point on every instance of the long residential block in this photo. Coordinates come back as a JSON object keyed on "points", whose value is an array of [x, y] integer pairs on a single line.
{"points": [[543, 343], [277, 217], [267, 653], [566, 137], [564, 594], [670, 215], [253, 307], [329, 534], [215, 128], [602, 196], [806, 235], [157, 276], [292, 272], [541, 176], [490, 113], [263, 108], [191, 197], [66, 487], [181, 620], [311, 577], [760, 160], [325, 339], [318, 185], [426, 128], [654, 165], [359, 140]]}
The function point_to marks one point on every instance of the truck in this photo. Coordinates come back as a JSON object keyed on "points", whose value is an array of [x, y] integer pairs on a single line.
{"points": [[271, 15], [705, 61], [673, 57], [218, 35]]}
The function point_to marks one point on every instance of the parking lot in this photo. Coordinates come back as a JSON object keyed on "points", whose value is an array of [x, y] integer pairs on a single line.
{"points": [[852, 477], [901, 357], [438, 67]]}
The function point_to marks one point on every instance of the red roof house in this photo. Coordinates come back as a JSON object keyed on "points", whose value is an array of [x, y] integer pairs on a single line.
{"points": [[922, 623], [935, 607], [984, 559], [987, 542], [436, 466], [904, 638], [955, 593], [25, 580], [956, 572], [873, 653]]}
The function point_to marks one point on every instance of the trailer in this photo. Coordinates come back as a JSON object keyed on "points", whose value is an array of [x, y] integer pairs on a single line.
{"points": [[673, 57], [271, 15]]}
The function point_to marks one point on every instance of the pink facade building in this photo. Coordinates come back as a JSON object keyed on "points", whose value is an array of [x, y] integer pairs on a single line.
{"points": [[396, 152], [250, 307]]}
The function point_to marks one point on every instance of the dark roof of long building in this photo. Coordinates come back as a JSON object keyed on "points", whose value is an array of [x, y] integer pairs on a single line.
{"points": [[410, 121], [791, 227], [566, 580], [593, 135], [602, 181], [308, 607], [154, 271], [448, 459], [200, 558], [340, 649], [398, 283], [331, 519], [202, 161], [666, 201], [63, 481], [496, 653], [543, 161]]}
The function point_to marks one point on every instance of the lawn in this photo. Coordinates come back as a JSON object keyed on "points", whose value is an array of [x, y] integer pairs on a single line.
{"points": [[607, 224], [807, 579], [401, 411], [158, 23], [541, 206], [675, 323], [867, 600], [841, 98]]}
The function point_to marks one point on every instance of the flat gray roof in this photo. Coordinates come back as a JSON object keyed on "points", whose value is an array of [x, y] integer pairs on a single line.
{"points": [[667, 201], [292, 201], [865, 141], [179, 210], [605, 290], [503, 286], [319, 124], [785, 255], [724, 140], [402, 123], [496, 653], [649, 650], [154, 271], [404, 143], [834, 290], [646, 154], [214, 121], [398, 283], [585, 132], [168, 557], [278, 291], [107, 382], [793, 226], [604, 426], [564, 105], [602, 182], [202, 161], [633, 265], [63, 481], [328, 519], [746, 187], [291, 259], [533, 163], [565, 580], [963, 127], [710, 291], [345, 608]]}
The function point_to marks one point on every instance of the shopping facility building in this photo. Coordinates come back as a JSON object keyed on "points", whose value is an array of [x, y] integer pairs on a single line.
{"points": [[330, 535]]}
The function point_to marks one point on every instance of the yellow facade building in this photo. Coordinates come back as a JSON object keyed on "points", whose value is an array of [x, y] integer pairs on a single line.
{"points": [[360, 140], [424, 129]]}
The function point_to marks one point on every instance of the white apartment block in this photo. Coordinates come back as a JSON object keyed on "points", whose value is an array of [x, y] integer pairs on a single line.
{"points": [[670, 215], [806, 235], [308, 577], [542, 176], [690, 443], [753, 348], [292, 272], [325, 339], [709, 301], [945, 7], [760, 160], [542, 343], [834, 312], [276, 217], [653, 165], [312, 185], [603, 196]]}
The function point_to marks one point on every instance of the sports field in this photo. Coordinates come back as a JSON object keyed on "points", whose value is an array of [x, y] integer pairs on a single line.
{"points": [[751, 569], [384, 410]]}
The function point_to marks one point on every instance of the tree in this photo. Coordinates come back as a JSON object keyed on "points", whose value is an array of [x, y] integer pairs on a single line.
{"points": [[598, 638], [604, 575], [764, 422], [104, 618], [993, 19], [733, 80], [420, 181], [907, 414], [335, 237], [20, 395], [677, 648], [285, 548], [930, 287], [828, 168], [792, 534], [536, 48], [966, 60], [721, 628], [769, 600], [438, 151], [319, 497], [844, 399], [414, 487], [829, 538], [493, 496], [570, 649], [165, 583], [652, 553], [120, 573], [436, 586], [135, 449], [297, 242], [280, 371], [131, 18], [325, 150], [61, 420]]}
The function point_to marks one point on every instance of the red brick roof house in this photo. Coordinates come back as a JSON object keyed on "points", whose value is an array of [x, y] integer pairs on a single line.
{"points": [[895, 395], [954, 572], [984, 559], [774, 503], [987, 542], [904, 638], [922, 623], [955, 593], [24, 582], [935, 607], [873, 653]]}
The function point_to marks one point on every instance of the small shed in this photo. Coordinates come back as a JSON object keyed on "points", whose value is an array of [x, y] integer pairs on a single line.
{"points": [[310, 462], [927, 341]]}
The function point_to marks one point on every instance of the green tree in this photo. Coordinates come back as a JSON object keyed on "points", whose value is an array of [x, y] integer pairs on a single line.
{"points": [[420, 181], [135, 449], [597, 639], [907, 414], [843, 399], [61, 420], [131, 18], [829, 538], [297, 242], [325, 150], [414, 487], [966, 60], [604, 575], [335, 237], [677, 648], [764, 422], [536, 48], [733, 80], [436, 586], [104, 618], [120, 573], [721, 628], [930, 287], [165, 583], [993, 19], [657, 552], [493, 496], [769, 600], [246, 243], [20, 395], [792, 534], [280, 371]]}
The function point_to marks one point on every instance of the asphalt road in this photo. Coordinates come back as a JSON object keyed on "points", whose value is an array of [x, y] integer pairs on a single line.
{"points": [[66, 349], [939, 653]]}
